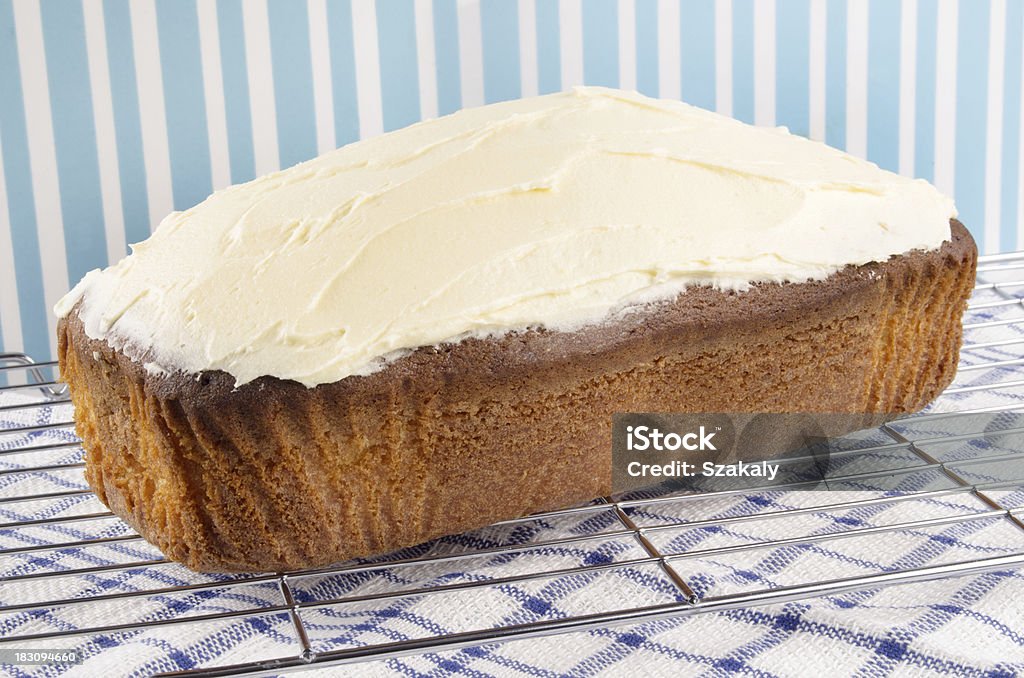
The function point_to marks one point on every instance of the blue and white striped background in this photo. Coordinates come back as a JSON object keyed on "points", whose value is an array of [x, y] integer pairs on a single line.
{"points": [[114, 112]]}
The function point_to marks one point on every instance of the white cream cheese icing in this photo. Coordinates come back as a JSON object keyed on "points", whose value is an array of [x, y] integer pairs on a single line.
{"points": [[552, 211]]}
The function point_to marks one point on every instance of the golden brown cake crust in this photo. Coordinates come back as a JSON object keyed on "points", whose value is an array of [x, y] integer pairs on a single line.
{"points": [[274, 475]]}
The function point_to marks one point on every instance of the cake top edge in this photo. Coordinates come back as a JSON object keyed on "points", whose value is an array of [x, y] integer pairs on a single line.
{"points": [[551, 211]]}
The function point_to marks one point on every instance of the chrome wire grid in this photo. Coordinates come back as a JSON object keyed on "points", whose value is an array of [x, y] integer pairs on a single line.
{"points": [[65, 561]]}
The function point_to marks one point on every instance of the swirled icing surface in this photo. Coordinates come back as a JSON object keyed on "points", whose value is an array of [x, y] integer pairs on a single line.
{"points": [[553, 211]]}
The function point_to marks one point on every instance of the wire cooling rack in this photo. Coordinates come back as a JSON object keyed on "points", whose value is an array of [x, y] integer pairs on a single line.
{"points": [[74, 576]]}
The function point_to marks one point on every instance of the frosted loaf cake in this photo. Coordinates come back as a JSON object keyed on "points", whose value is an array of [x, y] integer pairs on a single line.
{"points": [[336, 359]]}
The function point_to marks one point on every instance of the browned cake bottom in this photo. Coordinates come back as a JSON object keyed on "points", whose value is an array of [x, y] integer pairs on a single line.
{"points": [[275, 475]]}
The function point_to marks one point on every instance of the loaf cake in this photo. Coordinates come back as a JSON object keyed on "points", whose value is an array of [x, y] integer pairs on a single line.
{"points": [[428, 331]]}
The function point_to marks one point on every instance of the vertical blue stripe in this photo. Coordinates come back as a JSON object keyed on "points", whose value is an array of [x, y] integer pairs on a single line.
{"points": [[549, 58], [343, 72], [647, 47], [697, 51], [884, 83], [399, 77], [743, 60], [236, 90], [499, 24], [127, 121], [292, 66], [601, 43], [971, 114], [835, 74], [446, 54], [924, 88], [74, 136], [792, 58], [1011, 127], [20, 199], [184, 101]]}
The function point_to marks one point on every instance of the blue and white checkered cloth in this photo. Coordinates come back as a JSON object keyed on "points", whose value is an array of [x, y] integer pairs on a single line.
{"points": [[962, 625]]}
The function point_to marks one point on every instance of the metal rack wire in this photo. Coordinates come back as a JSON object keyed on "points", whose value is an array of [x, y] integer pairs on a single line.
{"points": [[955, 465]]}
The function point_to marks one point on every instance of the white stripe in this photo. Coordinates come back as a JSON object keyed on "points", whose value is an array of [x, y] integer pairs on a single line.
{"points": [[259, 64], [570, 23], [323, 87], [367, 62], [213, 92], [723, 56], [28, 27], [908, 86], [528, 48], [152, 114], [471, 53], [627, 45], [817, 53], [106, 137], [945, 97], [994, 124], [857, 79], [425, 59], [764, 63], [1020, 175], [10, 310], [669, 53]]}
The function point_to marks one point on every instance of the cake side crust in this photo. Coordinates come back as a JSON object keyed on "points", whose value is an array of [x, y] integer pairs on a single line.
{"points": [[275, 475]]}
